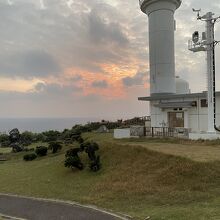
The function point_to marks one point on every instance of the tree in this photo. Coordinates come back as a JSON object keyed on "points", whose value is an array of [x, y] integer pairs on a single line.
{"points": [[51, 135], [27, 138]]}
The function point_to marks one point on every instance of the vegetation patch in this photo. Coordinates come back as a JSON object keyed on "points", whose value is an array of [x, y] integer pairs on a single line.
{"points": [[133, 180], [55, 147], [30, 157], [41, 151]]}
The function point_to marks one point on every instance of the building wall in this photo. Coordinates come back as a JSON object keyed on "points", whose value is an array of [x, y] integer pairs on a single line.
{"points": [[195, 118]]}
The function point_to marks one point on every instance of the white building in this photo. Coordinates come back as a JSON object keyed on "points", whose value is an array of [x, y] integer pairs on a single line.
{"points": [[171, 103], [182, 110]]}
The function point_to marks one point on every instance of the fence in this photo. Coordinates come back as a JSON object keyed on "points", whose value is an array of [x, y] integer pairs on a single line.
{"points": [[167, 132]]}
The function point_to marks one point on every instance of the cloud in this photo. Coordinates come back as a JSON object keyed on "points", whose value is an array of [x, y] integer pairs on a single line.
{"points": [[83, 34], [76, 78], [39, 87], [100, 84], [136, 80], [54, 89], [29, 64], [102, 31], [9, 2]]}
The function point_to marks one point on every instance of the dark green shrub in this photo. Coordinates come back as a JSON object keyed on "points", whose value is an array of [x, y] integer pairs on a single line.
{"points": [[95, 165], [27, 138], [5, 143], [41, 151], [40, 137], [73, 160], [55, 147], [91, 148], [14, 135], [4, 137], [16, 147], [51, 135], [30, 157]]}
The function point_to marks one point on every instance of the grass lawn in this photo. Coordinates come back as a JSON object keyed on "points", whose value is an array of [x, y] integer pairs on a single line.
{"points": [[5, 150], [134, 180]]}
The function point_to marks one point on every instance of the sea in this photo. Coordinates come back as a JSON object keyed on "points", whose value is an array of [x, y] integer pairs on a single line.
{"points": [[38, 125]]}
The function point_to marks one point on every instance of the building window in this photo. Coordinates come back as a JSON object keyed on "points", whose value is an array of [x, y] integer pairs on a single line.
{"points": [[204, 103], [194, 104]]}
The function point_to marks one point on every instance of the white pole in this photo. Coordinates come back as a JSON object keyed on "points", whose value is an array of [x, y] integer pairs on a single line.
{"points": [[210, 71]]}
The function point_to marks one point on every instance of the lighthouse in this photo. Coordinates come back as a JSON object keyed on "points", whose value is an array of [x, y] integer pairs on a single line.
{"points": [[172, 105], [161, 44]]}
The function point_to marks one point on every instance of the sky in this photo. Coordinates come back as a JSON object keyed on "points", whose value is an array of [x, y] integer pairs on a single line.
{"points": [[88, 58]]}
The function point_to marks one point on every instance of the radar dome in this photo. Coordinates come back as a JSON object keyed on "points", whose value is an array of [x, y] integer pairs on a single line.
{"points": [[182, 86]]}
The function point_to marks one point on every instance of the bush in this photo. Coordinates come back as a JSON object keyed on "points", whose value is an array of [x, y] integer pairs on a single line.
{"points": [[27, 138], [51, 135], [5, 143], [96, 165], [16, 147], [4, 138], [73, 160], [30, 157], [55, 146], [41, 151]]}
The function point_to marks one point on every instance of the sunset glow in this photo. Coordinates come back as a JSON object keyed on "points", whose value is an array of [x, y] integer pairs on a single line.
{"points": [[86, 54]]}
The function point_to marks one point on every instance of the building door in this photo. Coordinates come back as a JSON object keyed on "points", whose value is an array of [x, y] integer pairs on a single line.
{"points": [[176, 119]]}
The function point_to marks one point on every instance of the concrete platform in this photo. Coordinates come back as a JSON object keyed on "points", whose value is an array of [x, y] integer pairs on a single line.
{"points": [[204, 136]]}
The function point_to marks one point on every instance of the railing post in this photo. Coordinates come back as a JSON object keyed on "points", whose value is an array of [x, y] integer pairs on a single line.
{"points": [[152, 132]]}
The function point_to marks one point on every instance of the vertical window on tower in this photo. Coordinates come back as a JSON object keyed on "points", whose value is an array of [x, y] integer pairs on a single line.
{"points": [[204, 103]]}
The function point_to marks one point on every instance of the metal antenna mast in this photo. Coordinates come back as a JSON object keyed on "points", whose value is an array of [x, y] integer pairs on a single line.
{"points": [[207, 43]]}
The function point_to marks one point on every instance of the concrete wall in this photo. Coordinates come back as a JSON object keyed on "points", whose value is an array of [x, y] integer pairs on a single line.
{"points": [[122, 133], [137, 131]]}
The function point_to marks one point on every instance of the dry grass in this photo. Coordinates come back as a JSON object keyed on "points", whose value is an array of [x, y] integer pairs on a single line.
{"points": [[133, 180], [201, 151], [140, 172]]}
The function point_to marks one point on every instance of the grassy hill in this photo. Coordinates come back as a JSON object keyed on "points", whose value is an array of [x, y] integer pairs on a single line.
{"points": [[133, 180]]}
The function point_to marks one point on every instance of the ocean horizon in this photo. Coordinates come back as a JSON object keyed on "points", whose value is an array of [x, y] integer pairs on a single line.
{"points": [[41, 124]]}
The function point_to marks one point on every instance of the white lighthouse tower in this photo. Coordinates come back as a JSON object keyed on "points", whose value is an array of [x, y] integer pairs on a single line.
{"points": [[161, 44]]}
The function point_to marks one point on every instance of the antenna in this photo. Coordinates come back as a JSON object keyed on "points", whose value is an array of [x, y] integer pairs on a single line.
{"points": [[198, 12]]}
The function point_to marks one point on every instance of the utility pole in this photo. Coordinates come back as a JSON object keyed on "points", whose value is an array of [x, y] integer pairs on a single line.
{"points": [[207, 43]]}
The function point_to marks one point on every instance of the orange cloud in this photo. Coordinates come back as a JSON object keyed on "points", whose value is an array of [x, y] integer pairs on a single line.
{"points": [[112, 74]]}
